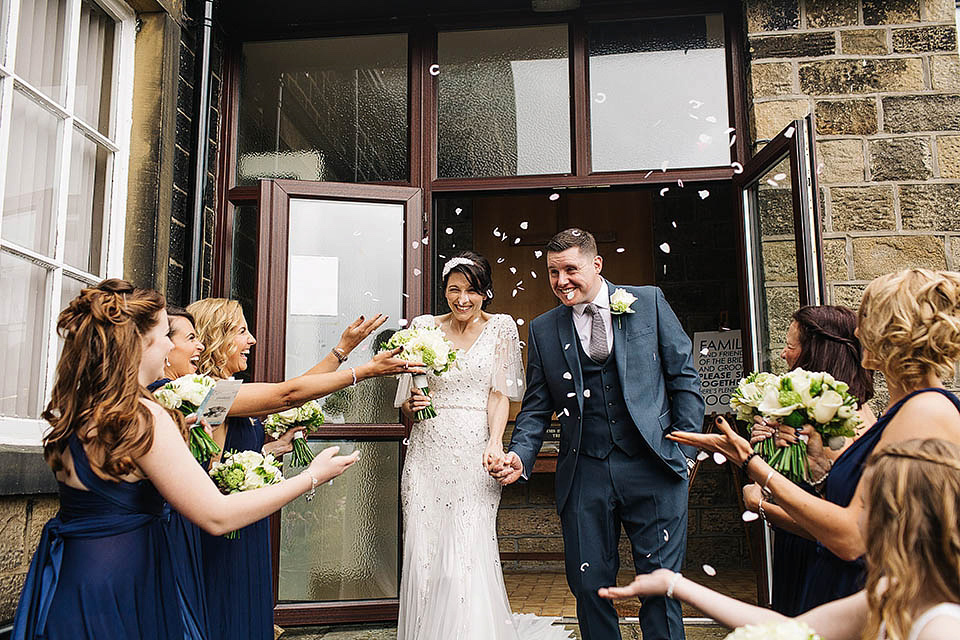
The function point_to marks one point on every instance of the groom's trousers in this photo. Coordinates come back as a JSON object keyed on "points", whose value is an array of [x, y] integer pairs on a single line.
{"points": [[650, 502]]}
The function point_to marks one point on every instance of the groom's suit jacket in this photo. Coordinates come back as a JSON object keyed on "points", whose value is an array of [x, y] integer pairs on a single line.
{"points": [[661, 387]]}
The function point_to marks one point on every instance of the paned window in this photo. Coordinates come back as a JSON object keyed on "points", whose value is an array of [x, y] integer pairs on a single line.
{"points": [[65, 105]]}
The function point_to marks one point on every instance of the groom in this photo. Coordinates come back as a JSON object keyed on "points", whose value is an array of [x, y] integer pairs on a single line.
{"points": [[618, 383]]}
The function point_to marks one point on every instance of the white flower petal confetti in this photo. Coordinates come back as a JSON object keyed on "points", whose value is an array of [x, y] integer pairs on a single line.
{"points": [[516, 241], [674, 224], [416, 272], [719, 458], [620, 249], [665, 247], [434, 69], [780, 176], [496, 231], [537, 254], [666, 536], [733, 140], [566, 346], [664, 190], [425, 241], [601, 97], [711, 119], [458, 210], [524, 225], [449, 231], [773, 183], [416, 243], [696, 104], [500, 260], [513, 270], [703, 455], [586, 393], [554, 196], [571, 394], [648, 174], [704, 194], [680, 183], [705, 139], [789, 132], [568, 376], [406, 442], [514, 293], [749, 516], [584, 566], [533, 273], [710, 571], [520, 321], [737, 167], [664, 165], [704, 351]]}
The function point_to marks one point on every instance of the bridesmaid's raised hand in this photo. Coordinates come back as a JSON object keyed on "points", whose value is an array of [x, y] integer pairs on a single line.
{"points": [[386, 363], [358, 331], [728, 442]]}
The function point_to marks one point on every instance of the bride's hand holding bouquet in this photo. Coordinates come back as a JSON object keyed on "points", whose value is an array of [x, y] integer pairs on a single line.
{"points": [[428, 347]]}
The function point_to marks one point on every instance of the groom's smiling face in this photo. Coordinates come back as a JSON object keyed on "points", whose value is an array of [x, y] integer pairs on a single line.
{"points": [[574, 275]]}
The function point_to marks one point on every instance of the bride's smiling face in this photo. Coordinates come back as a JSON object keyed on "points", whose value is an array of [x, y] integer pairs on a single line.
{"points": [[465, 302]]}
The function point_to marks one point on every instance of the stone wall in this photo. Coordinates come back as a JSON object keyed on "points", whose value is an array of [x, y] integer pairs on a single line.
{"points": [[21, 522], [882, 78]]}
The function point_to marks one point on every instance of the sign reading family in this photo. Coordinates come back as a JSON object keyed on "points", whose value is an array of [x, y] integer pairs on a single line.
{"points": [[719, 359]]}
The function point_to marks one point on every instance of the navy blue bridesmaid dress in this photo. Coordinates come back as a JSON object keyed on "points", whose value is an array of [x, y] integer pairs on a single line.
{"points": [[792, 557], [831, 578], [238, 572], [105, 566]]}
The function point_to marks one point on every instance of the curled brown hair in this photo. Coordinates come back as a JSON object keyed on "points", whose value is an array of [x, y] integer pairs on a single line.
{"points": [[910, 322], [216, 323], [96, 394], [828, 343], [913, 532]]}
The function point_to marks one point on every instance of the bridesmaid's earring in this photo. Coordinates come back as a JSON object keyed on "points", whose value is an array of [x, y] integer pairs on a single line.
{"points": [[166, 361]]}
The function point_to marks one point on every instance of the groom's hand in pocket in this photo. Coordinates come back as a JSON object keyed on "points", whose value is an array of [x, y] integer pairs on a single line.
{"points": [[510, 471]]}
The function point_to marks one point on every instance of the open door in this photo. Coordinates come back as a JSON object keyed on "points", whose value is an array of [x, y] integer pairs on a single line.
{"points": [[327, 253], [783, 268]]}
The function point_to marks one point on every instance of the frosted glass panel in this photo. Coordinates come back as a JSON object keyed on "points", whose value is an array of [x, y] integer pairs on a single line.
{"points": [[86, 203], [22, 336], [28, 203], [331, 109], [345, 259], [658, 92], [95, 67], [70, 288], [504, 102], [344, 544], [40, 45]]}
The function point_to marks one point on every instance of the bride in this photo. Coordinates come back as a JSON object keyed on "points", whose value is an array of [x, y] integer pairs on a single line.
{"points": [[452, 586]]}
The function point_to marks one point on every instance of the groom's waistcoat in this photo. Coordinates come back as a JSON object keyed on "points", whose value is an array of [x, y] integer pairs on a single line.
{"points": [[606, 419]]}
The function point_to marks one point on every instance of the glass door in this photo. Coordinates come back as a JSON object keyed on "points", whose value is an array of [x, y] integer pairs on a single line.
{"points": [[327, 253], [780, 213]]}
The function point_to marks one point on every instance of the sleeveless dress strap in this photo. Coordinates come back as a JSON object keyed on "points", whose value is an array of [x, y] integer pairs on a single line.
{"points": [[948, 609]]}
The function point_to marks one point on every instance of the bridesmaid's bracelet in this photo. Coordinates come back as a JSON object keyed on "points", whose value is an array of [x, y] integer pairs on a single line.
{"points": [[760, 509], [313, 484], [764, 490], [746, 463], [353, 372], [673, 583]]}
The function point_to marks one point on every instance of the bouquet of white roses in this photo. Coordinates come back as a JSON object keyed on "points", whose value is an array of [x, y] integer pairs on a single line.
{"points": [[308, 415], [427, 346], [243, 471], [746, 399], [797, 398], [788, 630], [186, 394]]}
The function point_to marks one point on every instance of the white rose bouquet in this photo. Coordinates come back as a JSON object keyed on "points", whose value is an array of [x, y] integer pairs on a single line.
{"points": [[745, 401], [243, 471], [427, 346], [797, 398], [308, 415], [789, 630], [185, 395]]}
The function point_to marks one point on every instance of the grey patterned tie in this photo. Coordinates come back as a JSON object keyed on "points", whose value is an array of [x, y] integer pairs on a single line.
{"points": [[599, 351]]}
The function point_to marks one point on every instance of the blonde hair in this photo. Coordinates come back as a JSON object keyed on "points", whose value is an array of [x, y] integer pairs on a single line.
{"points": [[910, 322], [913, 494], [217, 322]]}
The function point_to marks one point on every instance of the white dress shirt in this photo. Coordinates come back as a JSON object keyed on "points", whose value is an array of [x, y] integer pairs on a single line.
{"points": [[583, 321]]}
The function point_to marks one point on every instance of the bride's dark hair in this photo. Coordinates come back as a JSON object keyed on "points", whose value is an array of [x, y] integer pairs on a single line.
{"points": [[476, 271]]}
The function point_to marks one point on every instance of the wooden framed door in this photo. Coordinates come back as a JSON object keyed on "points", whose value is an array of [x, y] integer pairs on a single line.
{"points": [[327, 253]]}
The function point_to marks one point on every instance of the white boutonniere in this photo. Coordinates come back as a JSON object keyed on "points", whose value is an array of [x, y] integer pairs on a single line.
{"points": [[620, 303]]}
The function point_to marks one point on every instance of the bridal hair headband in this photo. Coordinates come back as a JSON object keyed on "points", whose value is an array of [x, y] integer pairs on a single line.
{"points": [[456, 262]]}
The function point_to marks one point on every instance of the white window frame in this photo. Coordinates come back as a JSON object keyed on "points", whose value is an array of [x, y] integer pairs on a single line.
{"points": [[25, 431]]}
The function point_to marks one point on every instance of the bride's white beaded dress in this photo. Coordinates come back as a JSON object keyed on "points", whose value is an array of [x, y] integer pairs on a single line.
{"points": [[452, 586]]}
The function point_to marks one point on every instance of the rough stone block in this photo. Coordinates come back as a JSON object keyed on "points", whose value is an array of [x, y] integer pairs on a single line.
{"points": [[827, 77], [772, 15], [938, 10], [891, 11], [848, 295], [831, 13], [835, 259], [771, 117], [515, 494], [945, 73], [11, 584], [13, 522], [772, 79], [900, 159], [542, 489], [925, 39], [846, 117], [519, 522], [864, 42], [955, 253], [540, 545], [948, 156], [42, 509], [934, 207], [874, 257], [721, 520], [507, 545], [794, 45], [862, 208], [906, 114], [776, 211], [779, 260], [842, 161], [781, 303]]}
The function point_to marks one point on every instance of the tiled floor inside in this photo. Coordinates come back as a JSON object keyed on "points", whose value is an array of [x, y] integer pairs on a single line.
{"points": [[547, 594]]}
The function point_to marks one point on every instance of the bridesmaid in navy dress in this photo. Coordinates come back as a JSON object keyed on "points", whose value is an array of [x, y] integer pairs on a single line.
{"points": [[105, 566], [909, 328], [238, 572]]}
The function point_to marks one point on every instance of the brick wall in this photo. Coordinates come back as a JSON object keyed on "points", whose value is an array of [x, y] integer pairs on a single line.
{"points": [[883, 81]]}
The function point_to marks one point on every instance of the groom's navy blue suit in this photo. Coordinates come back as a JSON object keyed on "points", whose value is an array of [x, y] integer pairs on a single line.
{"points": [[615, 465]]}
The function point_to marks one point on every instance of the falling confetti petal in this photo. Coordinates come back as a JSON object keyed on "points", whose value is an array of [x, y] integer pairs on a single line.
{"points": [[649, 554], [648, 174], [434, 69], [704, 194], [666, 536], [729, 130], [570, 295], [425, 241], [500, 260], [773, 183], [576, 232], [733, 140], [710, 571], [696, 104], [665, 247], [416, 243], [737, 167], [664, 190], [356, 234], [566, 346], [513, 270], [533, 273], [780, 176], [402, 322], [601, 97], [537, 254], [566, 411], [516, 241], [620, 249], [663, 165], [554, 196], [680, 183], [416, 272], [789, 132], [674, 223], [586, 393], [449, 231], [719, 458], [406, 442], [705, 139], [524, 225], [496, 231], [568, 376], [704, 351], [711, 119], [693, 116], [458, 210], [703, 455], [489, 295], [584, 566], [749, 516], [520, 321], [514, 293], [571, 394]]}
